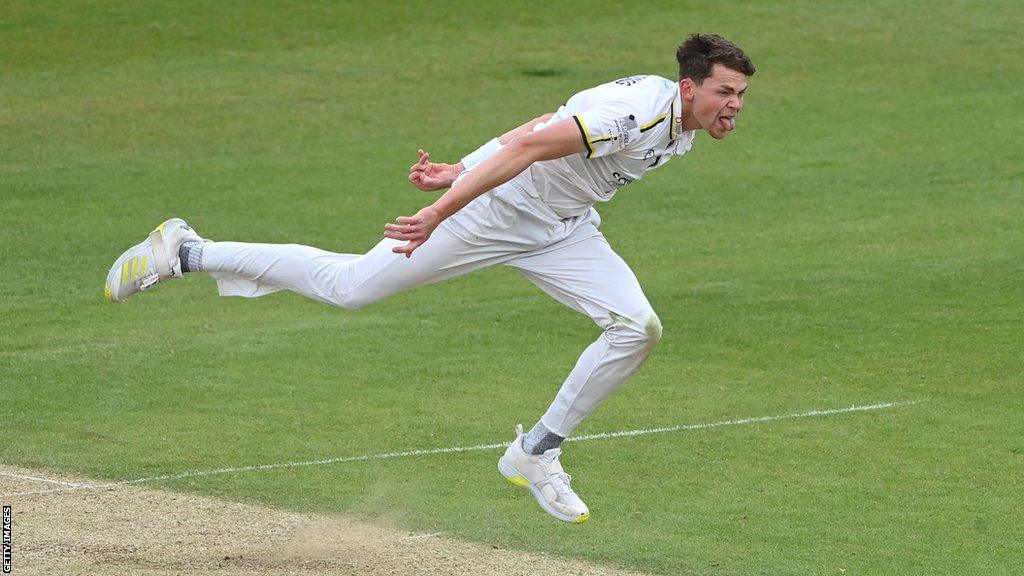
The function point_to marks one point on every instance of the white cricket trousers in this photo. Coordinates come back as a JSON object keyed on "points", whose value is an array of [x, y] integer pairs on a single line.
{"points": [[568, 259]]}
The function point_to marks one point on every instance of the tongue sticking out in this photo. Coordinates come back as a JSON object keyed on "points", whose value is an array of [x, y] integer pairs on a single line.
{"points": [[729, 123]]}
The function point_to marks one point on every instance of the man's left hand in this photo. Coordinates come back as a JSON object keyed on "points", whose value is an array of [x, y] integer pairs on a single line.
{"points": [[429, 176]]}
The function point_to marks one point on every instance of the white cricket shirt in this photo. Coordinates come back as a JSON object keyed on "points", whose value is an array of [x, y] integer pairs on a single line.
{"points": [[629, 126]]}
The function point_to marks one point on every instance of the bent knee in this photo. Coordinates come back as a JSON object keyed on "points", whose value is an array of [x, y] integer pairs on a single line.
{"points": [[652, 328], [641, 330]]}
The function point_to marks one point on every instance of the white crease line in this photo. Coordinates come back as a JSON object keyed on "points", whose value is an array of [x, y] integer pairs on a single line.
{"points": [[459, 449], [44, 480]]}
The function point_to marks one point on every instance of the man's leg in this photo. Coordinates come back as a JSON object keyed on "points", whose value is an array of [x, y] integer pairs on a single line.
{"points": [[588, 276], [346, 280], [591, 278]]}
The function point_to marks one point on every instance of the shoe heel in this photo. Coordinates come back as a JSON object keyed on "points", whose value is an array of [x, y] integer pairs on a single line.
{"points": [[518, 481], [512, 475]]}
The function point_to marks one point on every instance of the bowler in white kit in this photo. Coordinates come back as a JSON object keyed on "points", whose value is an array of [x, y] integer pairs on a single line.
{"points": [[525, 199]]}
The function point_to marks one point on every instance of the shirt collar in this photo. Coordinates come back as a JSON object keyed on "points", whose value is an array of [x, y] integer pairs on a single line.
{"points": [[677, 120], [682, 139]]}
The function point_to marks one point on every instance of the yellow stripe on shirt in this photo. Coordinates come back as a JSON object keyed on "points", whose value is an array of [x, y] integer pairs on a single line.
{"points": [[654, 123], [583, 132]]}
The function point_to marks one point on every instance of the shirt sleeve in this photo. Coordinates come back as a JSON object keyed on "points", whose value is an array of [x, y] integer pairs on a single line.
{"points": [[608, 128]]}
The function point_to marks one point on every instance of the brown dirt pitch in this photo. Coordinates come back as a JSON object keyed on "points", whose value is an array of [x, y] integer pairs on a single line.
{"points": [[134, 530]]}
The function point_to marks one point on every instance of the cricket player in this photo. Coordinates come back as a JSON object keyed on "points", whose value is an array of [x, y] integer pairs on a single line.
{"points": [[524, 200]]}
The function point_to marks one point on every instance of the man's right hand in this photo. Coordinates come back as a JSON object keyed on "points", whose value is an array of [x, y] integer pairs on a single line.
{"points": [[413, 229], [429, 176]]}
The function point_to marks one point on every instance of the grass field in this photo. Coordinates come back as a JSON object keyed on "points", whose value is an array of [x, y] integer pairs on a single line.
{"points": [[857, 240]]}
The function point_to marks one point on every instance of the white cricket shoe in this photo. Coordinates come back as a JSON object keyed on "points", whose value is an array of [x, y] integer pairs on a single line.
{"points": [[542, 474], [153, 260]]}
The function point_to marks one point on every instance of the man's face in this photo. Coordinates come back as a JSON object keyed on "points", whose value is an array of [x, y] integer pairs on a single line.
{"points": [[714, 104]]}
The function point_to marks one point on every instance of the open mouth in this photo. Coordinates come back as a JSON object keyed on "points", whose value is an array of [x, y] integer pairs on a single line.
{"points": [[728, 122]]}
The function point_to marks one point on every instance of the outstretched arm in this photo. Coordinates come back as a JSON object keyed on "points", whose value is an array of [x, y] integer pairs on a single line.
{"points": [[429, 176], [524, 129], [523, 149]]}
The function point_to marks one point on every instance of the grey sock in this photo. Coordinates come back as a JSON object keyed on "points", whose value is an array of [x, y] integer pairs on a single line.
{"points": [[191, 256], [539, 439]]}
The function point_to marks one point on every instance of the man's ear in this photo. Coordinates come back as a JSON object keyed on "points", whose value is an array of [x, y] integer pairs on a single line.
{"points": [[686, 89]]}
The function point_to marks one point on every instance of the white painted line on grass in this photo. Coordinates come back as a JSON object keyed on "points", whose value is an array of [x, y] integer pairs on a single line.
{"points": [[44, 480], [742, 421], [459, 449]]}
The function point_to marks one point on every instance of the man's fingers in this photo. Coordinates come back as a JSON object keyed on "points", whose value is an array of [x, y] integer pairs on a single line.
{"points": [[408, 228], [403, 235], [408, 248], [420, 164]]}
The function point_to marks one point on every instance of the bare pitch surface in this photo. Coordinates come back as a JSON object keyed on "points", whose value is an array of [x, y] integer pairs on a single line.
{"points": [[134, 530], [856, 240]]}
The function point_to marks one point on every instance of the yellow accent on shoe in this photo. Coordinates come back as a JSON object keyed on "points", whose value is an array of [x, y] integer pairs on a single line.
{"points": [[134, 268], [107, 293], [519, 481], [582, 518]]}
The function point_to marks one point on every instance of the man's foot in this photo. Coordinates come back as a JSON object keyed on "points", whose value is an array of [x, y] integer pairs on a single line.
{"points": [[153, 260], [542, 475]]}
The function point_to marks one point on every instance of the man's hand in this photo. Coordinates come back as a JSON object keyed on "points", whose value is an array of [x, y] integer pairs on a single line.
{"points": [[416, 229], [555, 141], [429, 176]]}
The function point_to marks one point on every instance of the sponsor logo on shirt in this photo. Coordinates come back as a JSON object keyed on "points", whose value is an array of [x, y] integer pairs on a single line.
{"points": [[623, 126]]}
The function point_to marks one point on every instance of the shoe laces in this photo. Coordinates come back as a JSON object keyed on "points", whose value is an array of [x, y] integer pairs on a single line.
{"points": [[559, 480]]}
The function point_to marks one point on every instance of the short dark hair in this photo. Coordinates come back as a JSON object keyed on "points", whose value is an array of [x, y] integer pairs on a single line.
{"points": [[700, 52]]}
